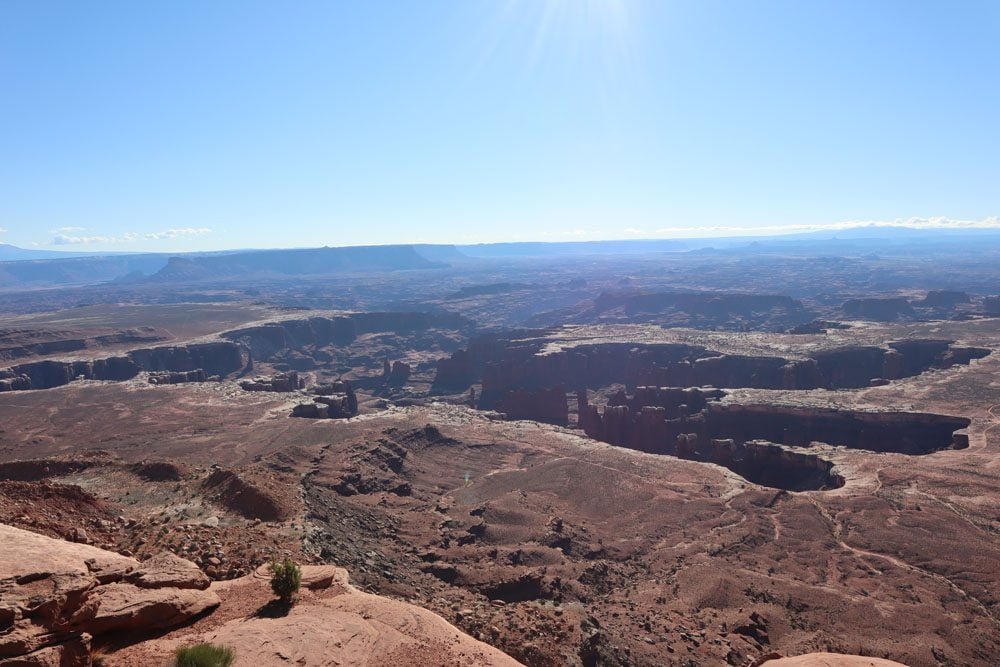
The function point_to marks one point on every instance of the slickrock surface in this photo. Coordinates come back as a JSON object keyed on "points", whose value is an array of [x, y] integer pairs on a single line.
{"points": [[831, 660], [56, 595], [332, 623]]}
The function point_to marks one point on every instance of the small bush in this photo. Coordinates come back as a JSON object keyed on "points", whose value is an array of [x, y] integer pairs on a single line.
{"points": [[204, 655], [286, 577]]}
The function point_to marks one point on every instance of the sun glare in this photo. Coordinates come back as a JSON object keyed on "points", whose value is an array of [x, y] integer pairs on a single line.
{"points": [[573, 29]]}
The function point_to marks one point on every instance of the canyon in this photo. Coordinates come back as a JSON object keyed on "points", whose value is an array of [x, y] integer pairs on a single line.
{"points": [[598, 489]]}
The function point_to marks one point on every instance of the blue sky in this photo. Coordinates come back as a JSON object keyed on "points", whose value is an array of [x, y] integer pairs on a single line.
{"points": [[210, 125]]}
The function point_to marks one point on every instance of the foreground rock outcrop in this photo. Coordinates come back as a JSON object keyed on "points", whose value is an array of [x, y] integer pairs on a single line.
{"points": [[331, 623], [830, 660], [55, 596], [354, 628]]}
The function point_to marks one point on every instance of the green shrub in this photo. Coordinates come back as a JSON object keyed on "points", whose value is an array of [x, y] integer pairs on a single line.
{"points": [[286, 577], [204, 655]]}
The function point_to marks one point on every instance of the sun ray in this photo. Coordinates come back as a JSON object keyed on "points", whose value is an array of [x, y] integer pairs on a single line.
{"points": [[567, 29]]}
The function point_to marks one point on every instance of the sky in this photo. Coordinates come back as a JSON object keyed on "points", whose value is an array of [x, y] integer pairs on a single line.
{"points": [[189, 125]]}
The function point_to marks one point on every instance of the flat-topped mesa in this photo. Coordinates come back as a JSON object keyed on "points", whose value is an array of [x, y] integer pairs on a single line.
{"points": [[267, 340], [335, 400], [654, 427], [695, 424], [912, 433], [177, 377], [885, 309], [235, 353], [280, 383], [213, 358], [725, 310], [524, 366], [505, 365], [649, 421], [943, 299], [542, 405]]}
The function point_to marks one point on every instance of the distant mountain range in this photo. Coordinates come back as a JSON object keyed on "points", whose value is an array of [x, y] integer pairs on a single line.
{"points": [[10, 253], [22, 268], [163, 268]]}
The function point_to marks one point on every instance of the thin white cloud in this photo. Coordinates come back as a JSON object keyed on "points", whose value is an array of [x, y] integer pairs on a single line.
{"points": [[939, 222], [69, 239], [67, 230], [2, 230]]}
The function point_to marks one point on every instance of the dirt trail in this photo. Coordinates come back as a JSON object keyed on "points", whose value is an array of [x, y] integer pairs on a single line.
{"points": [[837, 530]]}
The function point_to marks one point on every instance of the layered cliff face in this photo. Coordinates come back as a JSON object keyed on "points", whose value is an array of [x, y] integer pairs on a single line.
{"points": [[721, 310], [879, 309], [234, 353], [753, 440], [265, 340], [912, 433], [943, 299], [213, 358], [18, 343], [766, 463], [543, 405], [503, 365]]}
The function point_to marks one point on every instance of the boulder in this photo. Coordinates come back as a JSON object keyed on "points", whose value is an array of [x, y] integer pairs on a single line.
{"points": [[75, 650], [54, 595], [126, 607], [169, 571]]}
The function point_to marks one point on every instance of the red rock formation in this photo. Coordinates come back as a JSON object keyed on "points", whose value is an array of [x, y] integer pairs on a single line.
{"points": [[281, 383], [878, 309], [177, 377], [902, 432], [399, 374], [336, 400], [454, 373], [505, 365], [9, 381], [57, 594], [943, 299], [544, 405], [692, 423]]}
